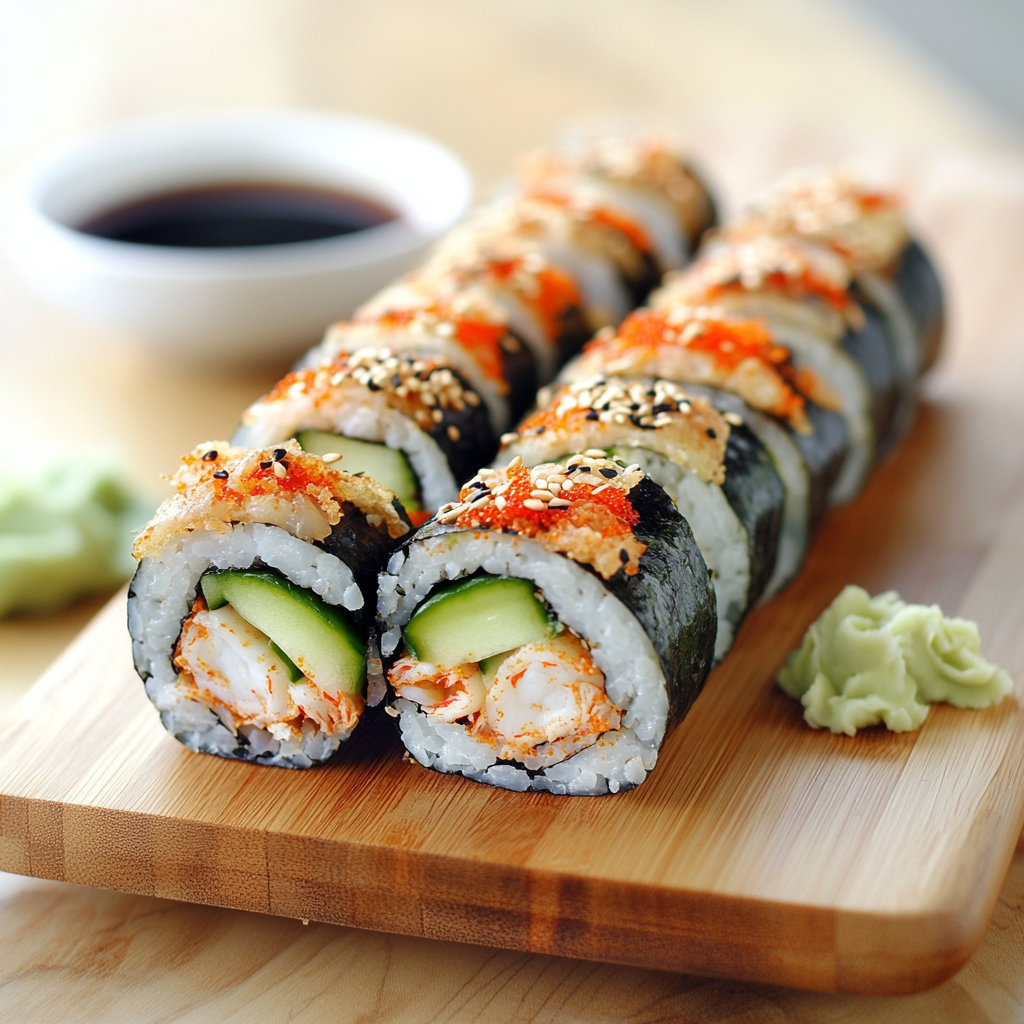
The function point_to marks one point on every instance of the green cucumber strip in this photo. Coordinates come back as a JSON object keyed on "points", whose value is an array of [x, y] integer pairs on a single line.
{"points": [[475, 619], [294, 672], [319, 640], [388, 466], [489, 666]]}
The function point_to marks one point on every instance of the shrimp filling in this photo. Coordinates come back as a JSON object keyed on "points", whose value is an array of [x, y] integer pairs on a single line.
{"points": [[229, 665], [545, 700]]}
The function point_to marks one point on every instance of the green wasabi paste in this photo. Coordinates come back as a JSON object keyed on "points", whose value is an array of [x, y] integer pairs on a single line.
{"points": [[868, 660], [65, 530]]}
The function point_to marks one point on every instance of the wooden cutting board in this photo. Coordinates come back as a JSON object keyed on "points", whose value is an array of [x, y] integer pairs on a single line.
{"points": [[759, 849]]}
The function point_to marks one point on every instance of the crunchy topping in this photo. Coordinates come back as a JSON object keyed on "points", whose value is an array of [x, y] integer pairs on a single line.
{"points": [[704, 346], [648, 161], [299, 493], [796, 268], [863, 225], [657, 414], [579, 507], [417, 385]]}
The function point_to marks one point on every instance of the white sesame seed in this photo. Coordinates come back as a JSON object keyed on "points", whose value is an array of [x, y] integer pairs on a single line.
{"points": [[330, 457], [734, 419], [595, 453], [280, 471], [516, 462], [509, 437], [500, 501], [559, 503], [534, 505]]}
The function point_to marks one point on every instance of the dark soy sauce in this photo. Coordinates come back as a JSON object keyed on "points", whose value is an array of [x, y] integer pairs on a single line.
{"points": [[239, 215]]}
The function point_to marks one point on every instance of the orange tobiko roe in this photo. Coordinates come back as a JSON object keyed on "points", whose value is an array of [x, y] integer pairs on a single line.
{"points": [[517, 516], [604, 216], [797, 286], [480, 338], [556, 292], [302, 473]]}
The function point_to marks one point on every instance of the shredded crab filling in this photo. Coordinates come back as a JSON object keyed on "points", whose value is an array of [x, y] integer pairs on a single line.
{"points": [[230, 666], [545, 701]]}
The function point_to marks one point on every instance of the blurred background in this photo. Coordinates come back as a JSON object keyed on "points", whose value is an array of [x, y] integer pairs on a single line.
{"points": [[755, 87]]}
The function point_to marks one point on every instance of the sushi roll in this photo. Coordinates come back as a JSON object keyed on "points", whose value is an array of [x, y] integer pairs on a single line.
{"points": [[250, 611], [546, 629], [807, 296], [865, 226], [408, 420], [479, 348], [741, 370], [642, 173], [714, 468]]}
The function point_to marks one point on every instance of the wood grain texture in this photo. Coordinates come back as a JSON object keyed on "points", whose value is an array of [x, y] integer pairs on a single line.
{"points": [[85, 956], [758, 850]]}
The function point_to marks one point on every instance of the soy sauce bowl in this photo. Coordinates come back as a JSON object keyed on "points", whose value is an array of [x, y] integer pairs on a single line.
{"points": [[252, 301]]}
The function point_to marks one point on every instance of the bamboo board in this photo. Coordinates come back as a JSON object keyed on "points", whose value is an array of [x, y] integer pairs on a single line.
{"points": [[758, 850]]}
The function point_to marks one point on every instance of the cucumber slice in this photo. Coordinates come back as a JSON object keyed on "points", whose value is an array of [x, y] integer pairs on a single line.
{"points": [[476, 618], [318, 640], [388, 466]]}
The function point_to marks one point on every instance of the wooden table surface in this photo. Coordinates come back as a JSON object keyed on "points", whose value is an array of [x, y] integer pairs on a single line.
{"points": [[757, 92]]}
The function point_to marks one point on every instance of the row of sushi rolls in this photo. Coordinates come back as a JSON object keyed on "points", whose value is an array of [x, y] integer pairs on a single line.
{"points": [[533, 606]]}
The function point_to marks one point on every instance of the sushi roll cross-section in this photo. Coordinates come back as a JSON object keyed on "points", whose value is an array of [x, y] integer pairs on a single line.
{"points": [[546, 628], [251, 609]]}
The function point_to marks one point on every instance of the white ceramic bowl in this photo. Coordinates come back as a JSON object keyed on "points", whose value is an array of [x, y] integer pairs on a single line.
{"points": [[258, 301]]}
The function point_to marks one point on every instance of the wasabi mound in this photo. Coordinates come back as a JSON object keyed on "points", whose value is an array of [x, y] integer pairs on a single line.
{"points": [[870, 660], [65, 530]]}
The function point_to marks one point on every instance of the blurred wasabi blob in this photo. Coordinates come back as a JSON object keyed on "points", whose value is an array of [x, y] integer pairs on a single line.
{"points": [[66, 529], [868, 660]]}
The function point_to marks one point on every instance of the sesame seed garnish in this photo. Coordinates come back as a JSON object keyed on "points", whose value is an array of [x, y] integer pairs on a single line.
{"points": [[267, 464], [734, 419], [279, 454], [280, 470], [331, 457], [509, 437], [533, 504], [210, 456], [221, 474], [711, 433]]}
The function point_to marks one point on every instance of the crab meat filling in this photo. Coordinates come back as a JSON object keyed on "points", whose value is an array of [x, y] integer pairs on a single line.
{"points": [[546, 701], [228, 664]]}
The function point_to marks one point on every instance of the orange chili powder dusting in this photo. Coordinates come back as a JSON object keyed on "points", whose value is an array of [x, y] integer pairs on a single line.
{"points": [[529, 522]]}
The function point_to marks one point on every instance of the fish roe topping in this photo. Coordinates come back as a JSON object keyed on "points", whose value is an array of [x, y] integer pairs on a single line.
{"points": [[579, 507], [863, 225], [795, 268], [704, 346], [491, 255], [421, 387], [588, 209], [604, 411], [218, 485], [648, 161]]}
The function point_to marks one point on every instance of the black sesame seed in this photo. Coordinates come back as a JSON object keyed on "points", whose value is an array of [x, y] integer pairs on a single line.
{"points": [[360, 473], [623, 555], [609, 473], [221, 474], [592, 415], [570, 470], [583, 469], [710, 433], [210, 455], [396, 379], [372, 387], [266, 465], [279, 454], [663, 407], [284, 464]]}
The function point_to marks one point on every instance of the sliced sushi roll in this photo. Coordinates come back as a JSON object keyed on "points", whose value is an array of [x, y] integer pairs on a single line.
{"points": [[809, 300], [493, 362], [865, 226], [642, 173], [713, 466], [250, 612], [737, 357], [546, 629], [605, 252], [408, 420]]}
